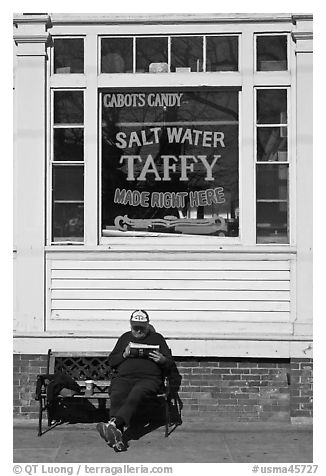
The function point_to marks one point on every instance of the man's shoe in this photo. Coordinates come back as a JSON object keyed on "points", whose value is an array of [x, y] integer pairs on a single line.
{"points": [[102, 428], [114, 436]]}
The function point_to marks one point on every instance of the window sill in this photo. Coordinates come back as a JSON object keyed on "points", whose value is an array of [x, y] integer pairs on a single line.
{"points": [[223, 249]]}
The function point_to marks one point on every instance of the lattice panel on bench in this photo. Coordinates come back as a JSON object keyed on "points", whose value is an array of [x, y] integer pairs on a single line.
{"points": [[81, 368]]}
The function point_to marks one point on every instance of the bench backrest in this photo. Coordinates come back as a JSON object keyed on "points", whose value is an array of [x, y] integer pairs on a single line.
{"points": [[80, 365]]}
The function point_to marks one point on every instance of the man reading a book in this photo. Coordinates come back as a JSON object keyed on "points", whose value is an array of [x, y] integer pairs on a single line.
{"points": [[140, 358]]}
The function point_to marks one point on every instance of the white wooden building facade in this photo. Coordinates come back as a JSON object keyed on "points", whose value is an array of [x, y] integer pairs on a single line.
{"points": [[228, 296]]}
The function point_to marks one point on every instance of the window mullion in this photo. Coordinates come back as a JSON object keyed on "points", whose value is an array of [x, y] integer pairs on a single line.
{"points": [[91, 144], [246, 147]]}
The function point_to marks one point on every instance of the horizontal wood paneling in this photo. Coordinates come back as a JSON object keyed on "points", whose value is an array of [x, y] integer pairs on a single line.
{"points": [[169, 305], [169, 295], [182, 316], [167, 274], [190, 328], [150, 284], [175, 264], [212, 296]]}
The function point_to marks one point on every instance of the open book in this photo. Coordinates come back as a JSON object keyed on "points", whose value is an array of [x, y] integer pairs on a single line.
{"points": [[142, 350]]}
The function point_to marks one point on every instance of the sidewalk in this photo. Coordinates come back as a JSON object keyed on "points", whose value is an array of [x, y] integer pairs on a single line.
{"points": [[197, 441]]}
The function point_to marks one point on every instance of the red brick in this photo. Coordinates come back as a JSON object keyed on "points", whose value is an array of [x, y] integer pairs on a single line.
{"points": [[240, 371], [228, 365], [221, 371], [248, 365], [226, 401], [202, 370]]}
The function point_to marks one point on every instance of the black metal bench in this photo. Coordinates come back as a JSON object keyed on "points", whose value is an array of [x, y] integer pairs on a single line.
{"points": [[81, 366]]}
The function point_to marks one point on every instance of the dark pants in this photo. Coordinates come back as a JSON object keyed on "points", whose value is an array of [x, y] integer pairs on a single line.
{"points": [[127, 393]]}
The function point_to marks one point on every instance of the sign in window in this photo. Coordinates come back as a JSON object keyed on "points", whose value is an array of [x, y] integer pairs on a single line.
{"points": [[170, 161]]}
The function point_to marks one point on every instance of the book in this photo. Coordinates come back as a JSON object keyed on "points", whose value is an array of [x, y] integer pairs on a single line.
{"points": [[142, 350]]}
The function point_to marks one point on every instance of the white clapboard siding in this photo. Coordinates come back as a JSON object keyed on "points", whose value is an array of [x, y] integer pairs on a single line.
{"points": [[169, 295], [190, 329], [175, 264], [170, 284], [182, 316], [149, 304], [167, 274], [209, 295]]}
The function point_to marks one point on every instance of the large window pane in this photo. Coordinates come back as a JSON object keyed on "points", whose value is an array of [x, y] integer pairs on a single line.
{"points": [[68, 144], [187, 52], [221, 53], [272, 144], [68, 183], [68, 107], [271, 106], [68, 222], [170, 162], [68, 55], [116, 55], [272, 53], [149, 51], [272, 223], [272, 203]]}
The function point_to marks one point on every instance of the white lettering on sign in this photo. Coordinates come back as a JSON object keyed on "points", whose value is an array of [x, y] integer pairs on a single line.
{"points": [[148, 166], [169, 199], [140, 100], [137, 138], [177, 135]]}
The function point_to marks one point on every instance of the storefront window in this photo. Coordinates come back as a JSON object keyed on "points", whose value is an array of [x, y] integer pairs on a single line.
{"points": [[68, 144], [68, 55], [117, 55], [170, 162], [68, 166], [272, 53], [151, 53], [164, 54], [68, 107], [272, 170], [187, 54], [221, 53]]}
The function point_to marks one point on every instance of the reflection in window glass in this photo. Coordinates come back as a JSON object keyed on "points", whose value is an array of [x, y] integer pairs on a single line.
{"points": [[271, 106], [68, 183], [68, 107], [68, 55], [116, 55], [272, 204], [272, 53], [68, 144], [187, 52], [221, 53], [151, 50], [272, 144], [170, 162], [68, 222]]}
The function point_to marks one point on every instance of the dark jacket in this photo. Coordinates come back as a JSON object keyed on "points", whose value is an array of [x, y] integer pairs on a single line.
{"points": [[60, 381], [137, 366]]}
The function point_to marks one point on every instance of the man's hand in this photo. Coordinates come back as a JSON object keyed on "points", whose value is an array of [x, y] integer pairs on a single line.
{"points": [[126, 352], [157, 357]]}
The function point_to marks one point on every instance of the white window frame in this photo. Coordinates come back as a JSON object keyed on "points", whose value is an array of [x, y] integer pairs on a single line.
{"points": [[93, 81], [288, 162], [53, 163], [288, 50], [65, 37]]}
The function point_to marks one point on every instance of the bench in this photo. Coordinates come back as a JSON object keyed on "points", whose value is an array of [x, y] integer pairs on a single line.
{"points": [[82, 366]]}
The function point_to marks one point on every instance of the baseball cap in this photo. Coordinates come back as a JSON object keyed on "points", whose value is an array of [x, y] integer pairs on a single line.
{"points": [[139, 318]]}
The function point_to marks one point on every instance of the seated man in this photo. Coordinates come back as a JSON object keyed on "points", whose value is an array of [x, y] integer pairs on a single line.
{"points": [[139, 374]]}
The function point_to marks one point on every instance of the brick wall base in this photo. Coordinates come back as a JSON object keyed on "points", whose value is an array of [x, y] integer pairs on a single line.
{"points": [[230, 389]]}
